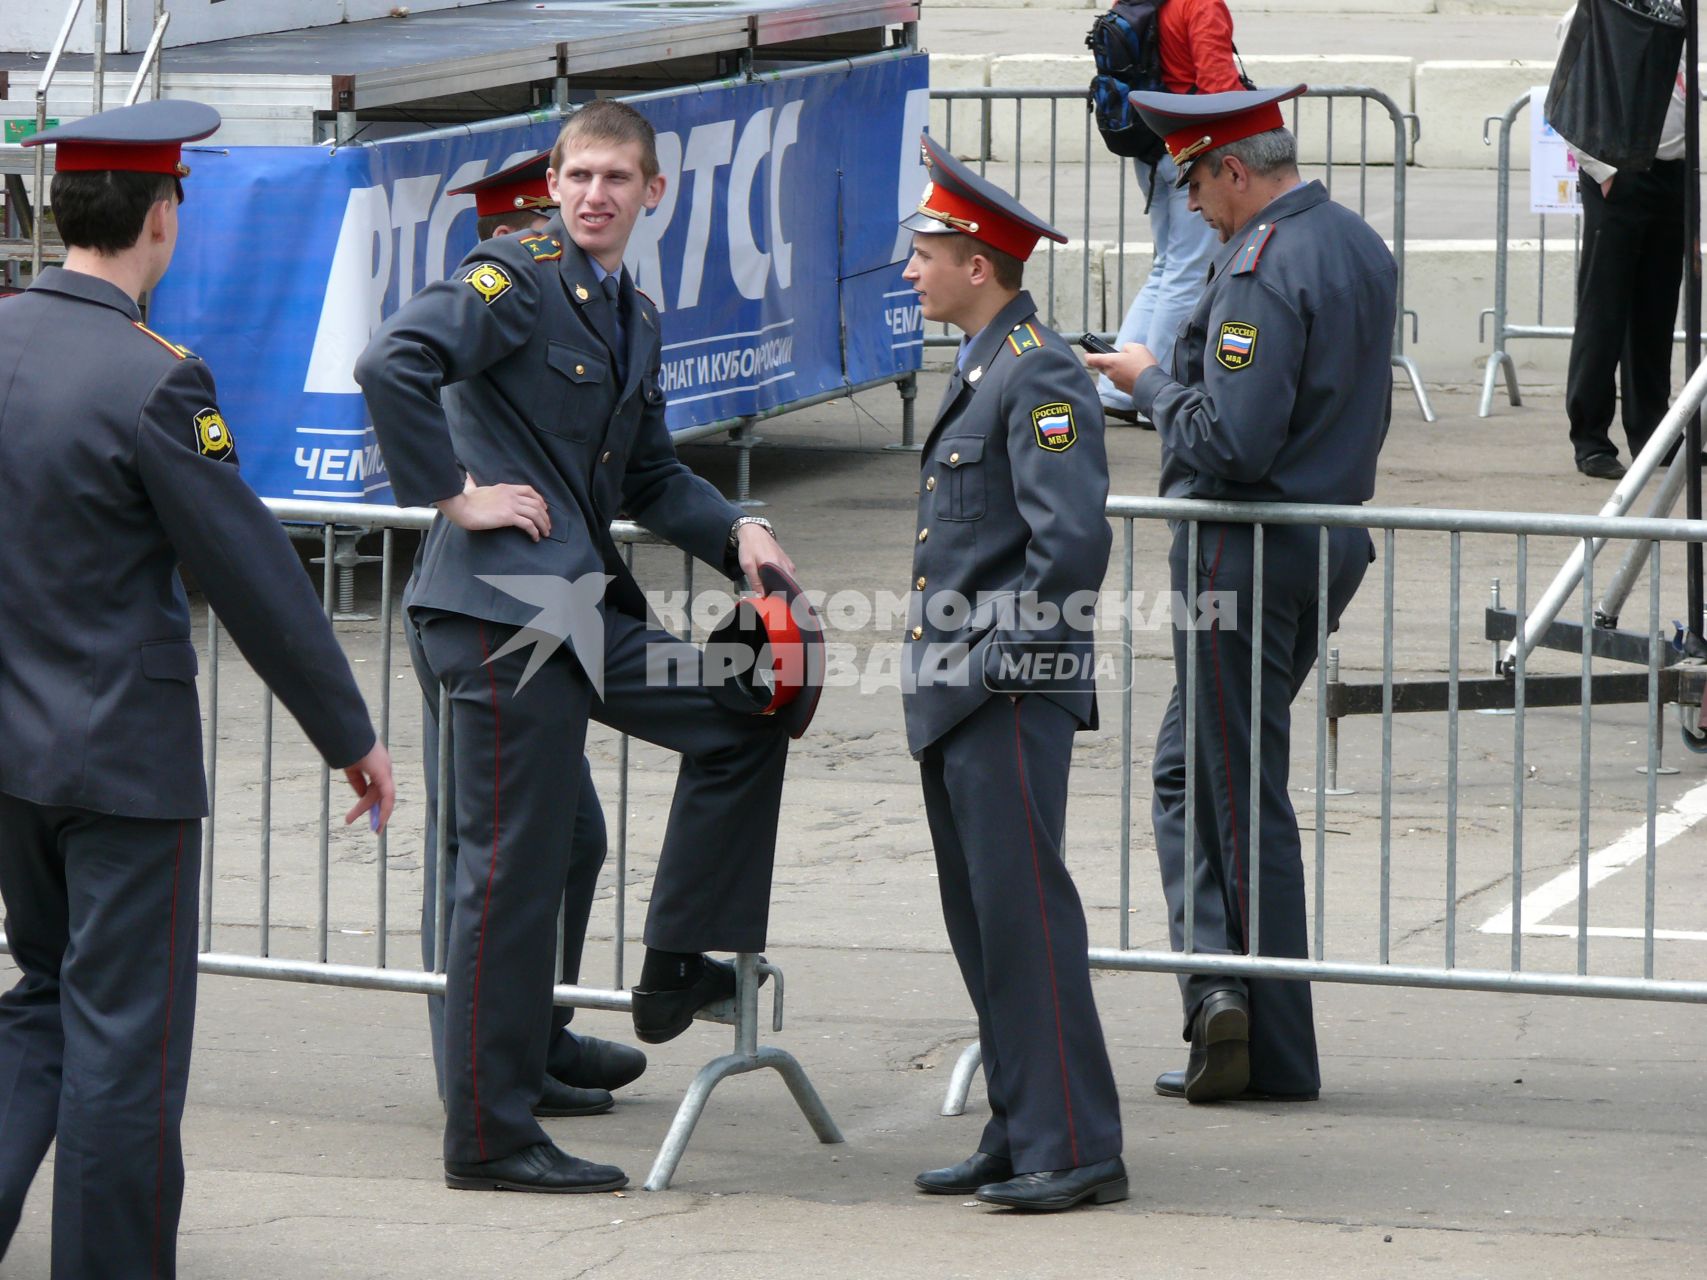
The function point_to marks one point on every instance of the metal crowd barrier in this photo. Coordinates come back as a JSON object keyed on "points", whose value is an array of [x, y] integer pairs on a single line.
{"points": [[1504, 327], [1109, 185], [1435, 876], [330, 960]]}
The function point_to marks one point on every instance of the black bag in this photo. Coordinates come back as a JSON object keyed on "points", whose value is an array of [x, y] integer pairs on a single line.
{"points": [[1613, 81], [1128, 56]]}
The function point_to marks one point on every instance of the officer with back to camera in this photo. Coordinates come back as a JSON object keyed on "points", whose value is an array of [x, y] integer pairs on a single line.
{"points": [[119, 465], [1280, 390]]}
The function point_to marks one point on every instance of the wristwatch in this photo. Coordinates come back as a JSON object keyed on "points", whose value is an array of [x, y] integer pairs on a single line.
{"points": [[735, 529]]}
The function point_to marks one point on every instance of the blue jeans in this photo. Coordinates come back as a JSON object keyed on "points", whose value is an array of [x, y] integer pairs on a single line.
{"points": [[1185, 244]]}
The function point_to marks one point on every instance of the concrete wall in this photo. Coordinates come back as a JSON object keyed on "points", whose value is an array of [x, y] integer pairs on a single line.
{"points": [[1454, 98]]}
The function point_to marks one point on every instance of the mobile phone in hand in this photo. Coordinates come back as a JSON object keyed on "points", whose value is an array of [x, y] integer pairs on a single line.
{"points": [[1090, 342]]}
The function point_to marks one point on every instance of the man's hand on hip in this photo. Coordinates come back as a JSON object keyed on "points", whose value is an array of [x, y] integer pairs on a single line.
{"points": [[498, 506]]}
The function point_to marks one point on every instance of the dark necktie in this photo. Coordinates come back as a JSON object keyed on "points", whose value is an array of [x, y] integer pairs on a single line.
{"points": [[613, 290]]}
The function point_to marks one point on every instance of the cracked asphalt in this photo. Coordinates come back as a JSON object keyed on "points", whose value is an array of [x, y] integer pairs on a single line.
{"points": [[1459, 1134]]}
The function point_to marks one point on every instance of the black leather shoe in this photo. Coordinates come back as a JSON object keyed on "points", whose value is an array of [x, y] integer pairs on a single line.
{"points": [[1602, 466], [979, 1169], [1171, 1084], [542, 1167], [1100, 1183], [664, 1015], [559, 1099], [590, 1063], [1220, 1063]]}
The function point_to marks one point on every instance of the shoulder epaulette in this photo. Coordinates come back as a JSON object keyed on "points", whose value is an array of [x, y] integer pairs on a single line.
{"points": [[543, 248], [1024, 338], [1248, 257], [183, 353]]}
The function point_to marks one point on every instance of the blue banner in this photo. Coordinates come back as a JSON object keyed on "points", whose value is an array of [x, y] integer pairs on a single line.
{"points": [[774, 258]]}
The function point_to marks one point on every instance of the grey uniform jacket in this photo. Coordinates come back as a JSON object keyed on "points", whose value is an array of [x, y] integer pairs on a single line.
{"points": [[1281, 388], [117, 465], [508, 368], [1012, 486]]}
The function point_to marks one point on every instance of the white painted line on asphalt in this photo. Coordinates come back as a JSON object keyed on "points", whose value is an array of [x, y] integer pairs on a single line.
{"points": [[1631, 847], [1604, 931]]}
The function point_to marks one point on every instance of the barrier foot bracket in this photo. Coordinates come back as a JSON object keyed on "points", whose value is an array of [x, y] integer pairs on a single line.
{"points": [[747, 1057]]}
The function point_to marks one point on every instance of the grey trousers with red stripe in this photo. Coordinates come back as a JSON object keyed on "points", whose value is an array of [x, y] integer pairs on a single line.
{"points": [[95, 1037], [996, 798], [517, 749], [1283, 1032]]}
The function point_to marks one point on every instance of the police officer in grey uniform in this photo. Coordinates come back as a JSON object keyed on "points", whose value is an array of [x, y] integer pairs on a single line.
{"points": [[1009, 555], [580, 1071], [1280, 391], [118, 467], [534, 369]]}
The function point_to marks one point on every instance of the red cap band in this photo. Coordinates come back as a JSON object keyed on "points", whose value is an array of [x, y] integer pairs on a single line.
{"points": [[979, 221], [1196, 137], [507, 197], [788, 651], [154, 157]]}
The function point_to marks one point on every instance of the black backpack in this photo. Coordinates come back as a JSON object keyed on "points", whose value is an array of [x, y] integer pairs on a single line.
{"points": [[1128, 55]]}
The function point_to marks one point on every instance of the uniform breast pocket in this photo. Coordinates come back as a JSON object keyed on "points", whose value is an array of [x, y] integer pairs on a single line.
{"points": [[578, 401], [961, 494]]}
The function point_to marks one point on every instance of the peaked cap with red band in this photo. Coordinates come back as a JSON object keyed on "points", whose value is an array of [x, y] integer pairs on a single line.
{"points": [[145, 138], [1193, 124], [767, 657], [958, 201], [521, 186]]}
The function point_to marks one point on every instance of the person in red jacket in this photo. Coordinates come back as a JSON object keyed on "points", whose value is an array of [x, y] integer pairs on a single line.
{"points": [[1196, 39]]}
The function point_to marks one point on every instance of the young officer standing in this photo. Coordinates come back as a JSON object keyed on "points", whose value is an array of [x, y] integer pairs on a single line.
{"points": [[533, 370], [580, 1071], [1010, 552], [117, 469]]}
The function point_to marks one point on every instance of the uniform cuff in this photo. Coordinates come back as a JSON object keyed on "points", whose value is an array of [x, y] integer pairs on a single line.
{"points": [[1147, 388]]}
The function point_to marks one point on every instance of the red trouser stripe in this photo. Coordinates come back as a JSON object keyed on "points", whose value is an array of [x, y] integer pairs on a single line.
{"points": [[165, 1063], [486, 904], [1048, 947], [1227, 755]]}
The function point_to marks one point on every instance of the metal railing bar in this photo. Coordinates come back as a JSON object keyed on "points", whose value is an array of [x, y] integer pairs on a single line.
{"points": [[1387, 576], [1254, 813]]}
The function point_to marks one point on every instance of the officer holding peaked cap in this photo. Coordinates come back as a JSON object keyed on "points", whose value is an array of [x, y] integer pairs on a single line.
{"points": [[119, 466], [1009, 552], [1280, 391], [580, 1070]]}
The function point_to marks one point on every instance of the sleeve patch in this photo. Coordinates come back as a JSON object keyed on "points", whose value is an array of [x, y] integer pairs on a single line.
{"points": [[213, 437], [1237, 346], [1054, 425], [1024, 338], [183, 353], [489, 280], [543, 248]]}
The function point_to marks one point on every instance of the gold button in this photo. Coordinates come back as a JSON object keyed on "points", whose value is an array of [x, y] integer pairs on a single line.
{"points": [[606, 458], [918, 633], [919, 585], [580, 368], [930, 483], [923, 534], [954, 457]]}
